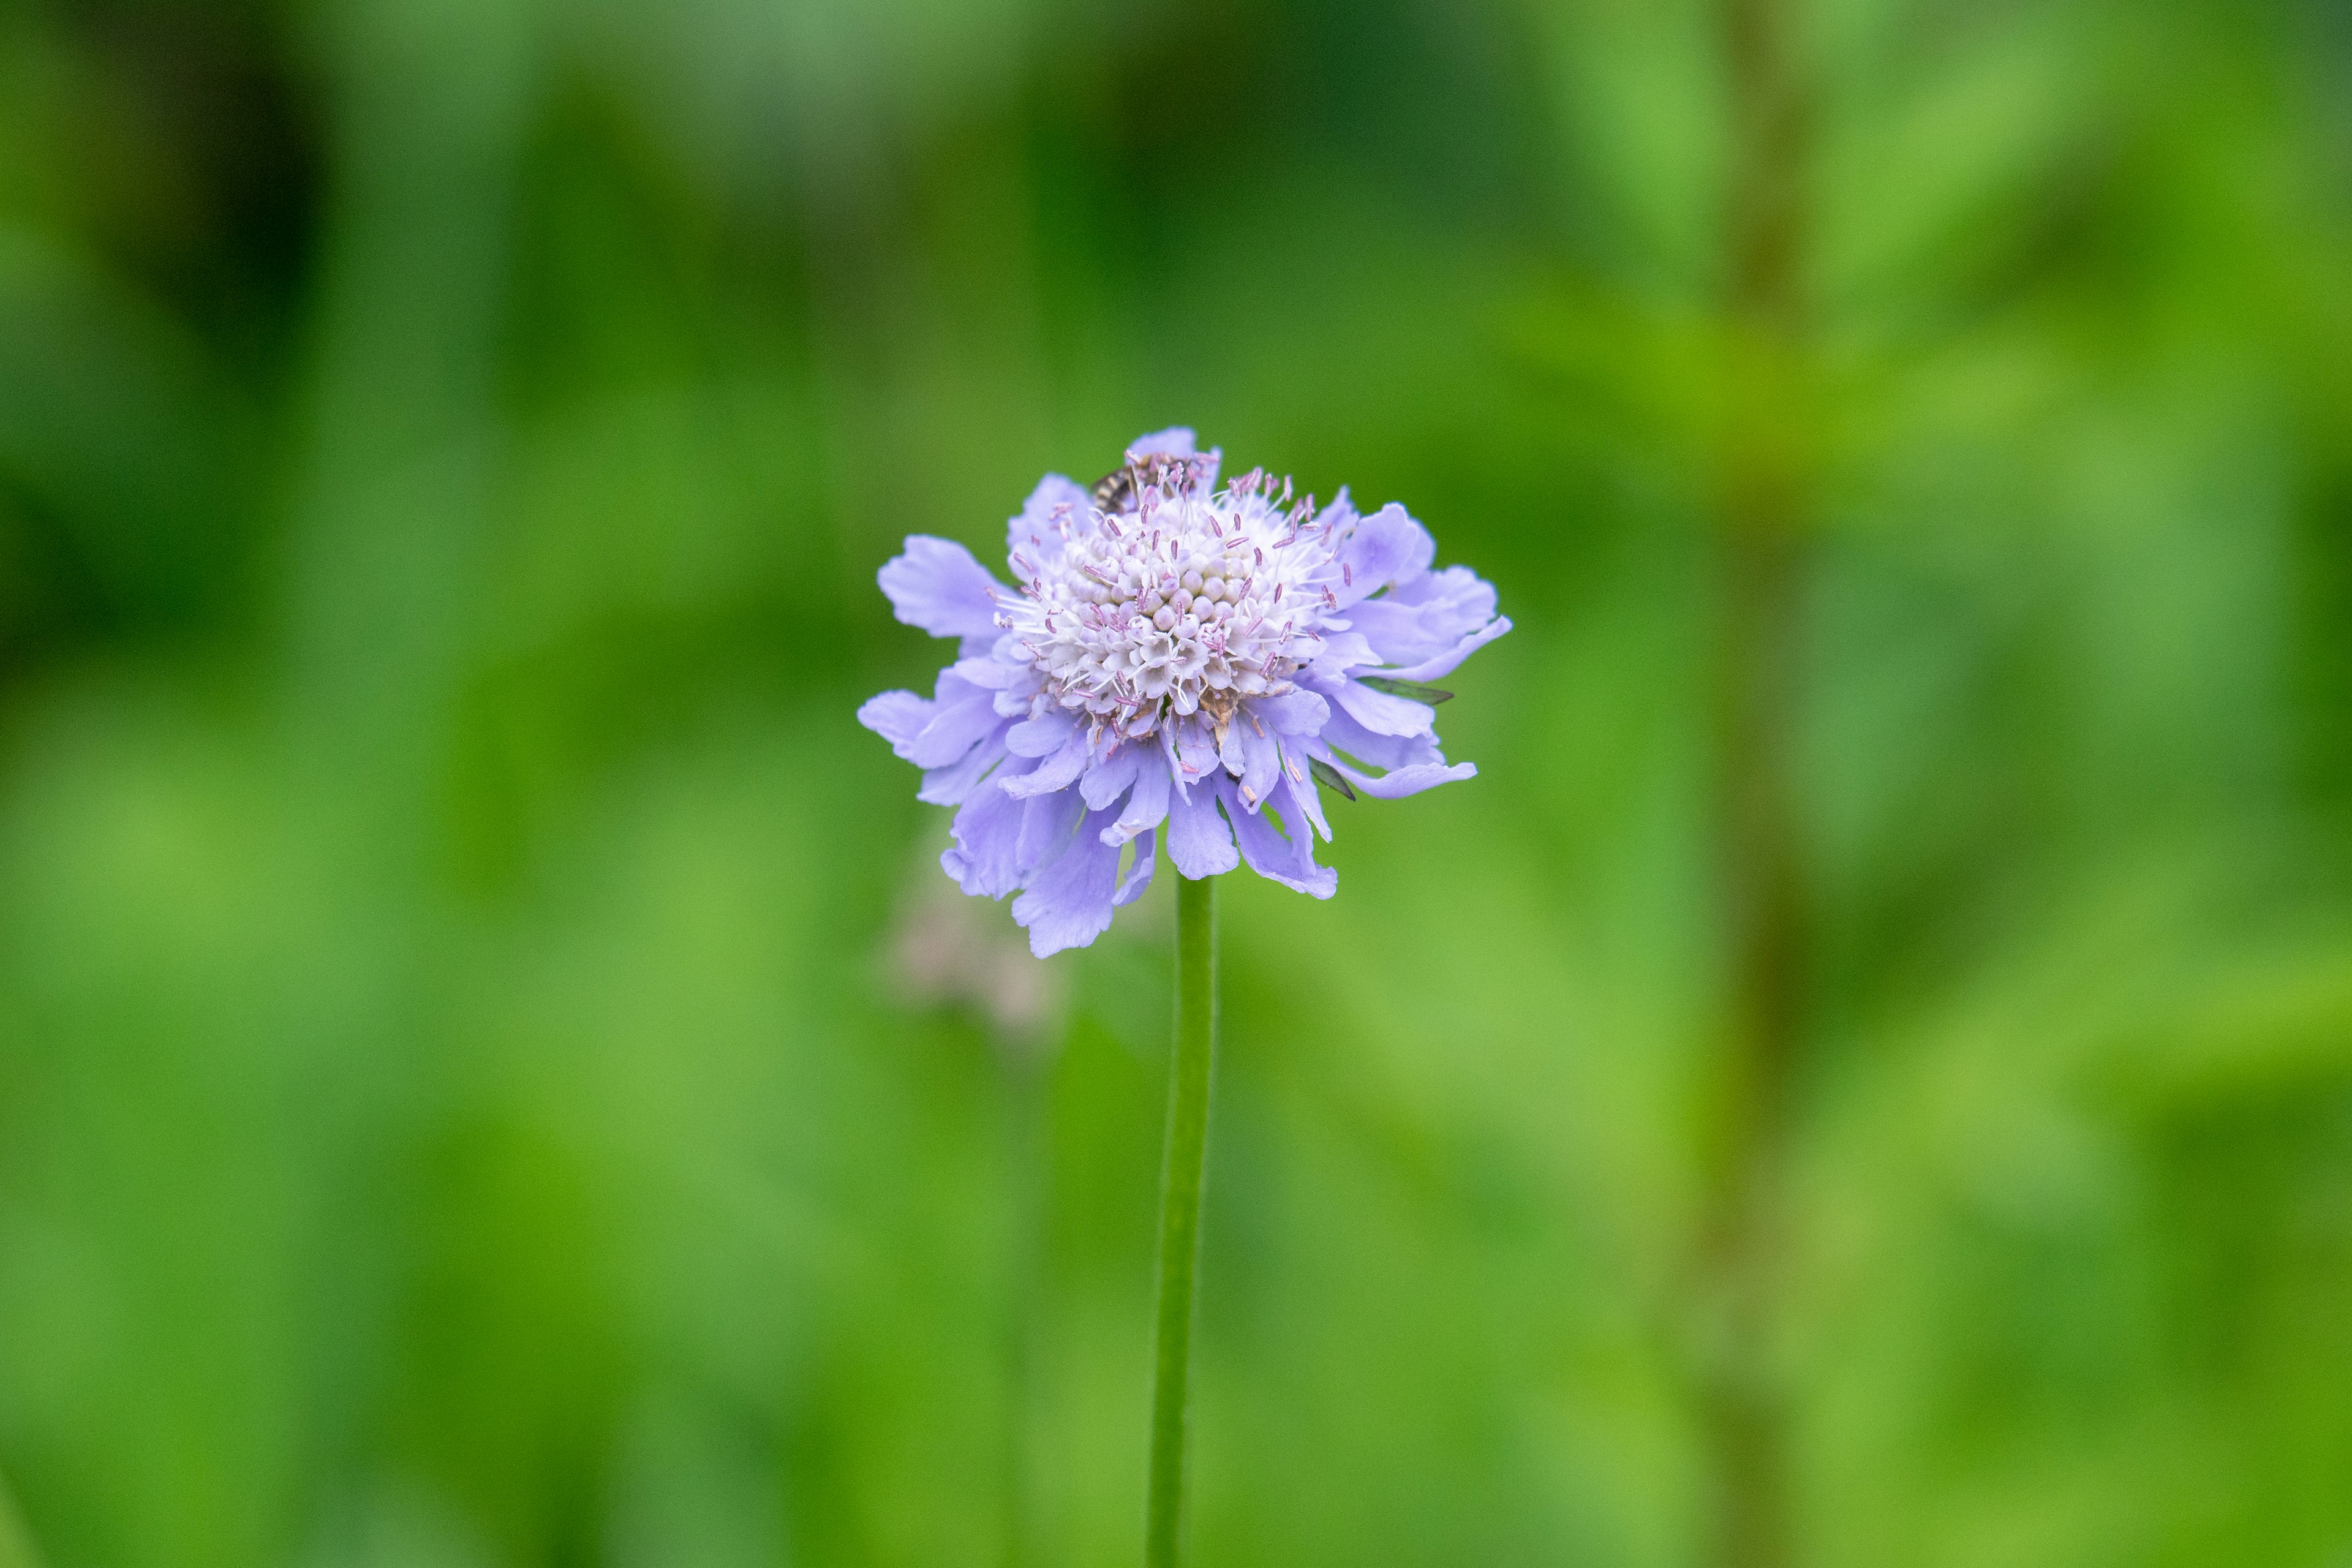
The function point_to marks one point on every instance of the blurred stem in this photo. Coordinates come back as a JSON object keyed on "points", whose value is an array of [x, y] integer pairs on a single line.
{"points": [[1180, 1182], [1029, 1159], [1761, 556]]}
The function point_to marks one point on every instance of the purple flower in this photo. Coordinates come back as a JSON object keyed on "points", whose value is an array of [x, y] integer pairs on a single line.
{"points": [[1176, 657]]}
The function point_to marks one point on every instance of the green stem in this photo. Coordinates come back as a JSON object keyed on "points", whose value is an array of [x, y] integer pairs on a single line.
{"points": [[1029, 1159], [1188, 1072]]}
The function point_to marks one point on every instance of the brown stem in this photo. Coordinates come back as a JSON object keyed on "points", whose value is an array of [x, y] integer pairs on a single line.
{"points": [[1761, 555]]}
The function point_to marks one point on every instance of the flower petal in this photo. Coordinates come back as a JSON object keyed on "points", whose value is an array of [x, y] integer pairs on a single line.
{"points": [[897, 716], [1147, 802], [1398, 783], [1042, 736], [1261, 762], [1425, 616], [1057, 772], [1195, 746], [953, 784], [1341, 732], [1471, 597], [1300, 784], [1342, 651], [1292, 714], [1288, 860], [1388, 547], [1046, 823], [1108, 778], [1443, 663], [988, 671], [1384, 714], [1068, 903], [1138, 872], [1176, 441], [937, 586], [1199, 842], [1230, 756], [957, 725], [985, 859]]}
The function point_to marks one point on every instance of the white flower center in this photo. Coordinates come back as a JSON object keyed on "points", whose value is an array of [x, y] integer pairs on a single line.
{"points": [[1176, 602]]}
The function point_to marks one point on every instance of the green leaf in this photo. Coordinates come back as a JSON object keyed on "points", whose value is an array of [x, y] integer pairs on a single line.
{"points": [[1407, 690], [1327, 774]]}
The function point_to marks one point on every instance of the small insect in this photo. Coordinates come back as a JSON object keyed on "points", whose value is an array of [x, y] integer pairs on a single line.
{"points": [[1115, 491], [1121, 491]]}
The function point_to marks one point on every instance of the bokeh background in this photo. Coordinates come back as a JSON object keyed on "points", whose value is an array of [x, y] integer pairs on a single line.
{"points": [[487, 1077]]}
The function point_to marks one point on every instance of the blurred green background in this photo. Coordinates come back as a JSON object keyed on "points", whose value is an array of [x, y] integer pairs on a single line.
{"points": [[486, 1075]]}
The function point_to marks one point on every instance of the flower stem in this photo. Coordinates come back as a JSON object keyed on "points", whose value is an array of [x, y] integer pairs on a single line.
{"points": [[1028, 1157], [1188, 1072], [1765, 497]]}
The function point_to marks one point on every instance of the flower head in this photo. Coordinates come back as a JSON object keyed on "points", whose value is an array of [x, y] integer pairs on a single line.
{"points": [[1176, 656]]}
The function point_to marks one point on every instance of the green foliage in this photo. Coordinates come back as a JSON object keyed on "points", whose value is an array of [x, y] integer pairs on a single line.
{"points": [[457, 1102]]}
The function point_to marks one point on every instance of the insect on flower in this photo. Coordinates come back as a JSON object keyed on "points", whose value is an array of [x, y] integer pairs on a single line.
{"points": [[1175, 658]]}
